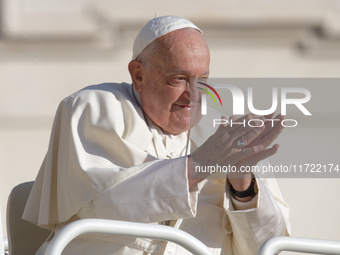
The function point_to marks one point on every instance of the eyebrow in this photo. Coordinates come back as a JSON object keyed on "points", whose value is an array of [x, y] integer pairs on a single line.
{"points": [[179, 71]]}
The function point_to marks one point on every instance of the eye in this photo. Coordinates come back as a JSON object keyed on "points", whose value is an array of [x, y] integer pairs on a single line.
{"points": [[178, 80]]}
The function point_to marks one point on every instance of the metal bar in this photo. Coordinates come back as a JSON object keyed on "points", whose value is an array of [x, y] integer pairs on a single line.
{"points": [[295, 244], [113, 227], [2, 248], [5, 243]]}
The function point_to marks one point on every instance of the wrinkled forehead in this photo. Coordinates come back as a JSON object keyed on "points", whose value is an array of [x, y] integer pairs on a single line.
{"points": [[180, 53]]}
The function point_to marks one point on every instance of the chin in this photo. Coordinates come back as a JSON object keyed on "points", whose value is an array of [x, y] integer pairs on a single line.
{"points": [[180, 128]]}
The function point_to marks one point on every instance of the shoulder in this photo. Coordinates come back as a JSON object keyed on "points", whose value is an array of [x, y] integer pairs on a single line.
{"points": [[104, 91], [102, 96], [107, 104]]}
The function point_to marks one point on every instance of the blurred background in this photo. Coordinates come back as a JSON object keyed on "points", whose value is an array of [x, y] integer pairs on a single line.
{"points": [[51, 48]]}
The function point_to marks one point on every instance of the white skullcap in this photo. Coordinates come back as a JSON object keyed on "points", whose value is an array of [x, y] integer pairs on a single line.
{"points": [[156, 28]]}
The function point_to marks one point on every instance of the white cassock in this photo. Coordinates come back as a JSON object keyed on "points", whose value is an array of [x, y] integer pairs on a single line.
{"points": [[106, 160]]}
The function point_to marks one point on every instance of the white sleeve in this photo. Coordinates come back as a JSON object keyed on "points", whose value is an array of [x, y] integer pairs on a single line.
{"points": [[266, 217], [158, 192]]}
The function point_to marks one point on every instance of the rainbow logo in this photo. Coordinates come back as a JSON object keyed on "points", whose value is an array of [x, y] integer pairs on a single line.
{"points": [[209, 93]]}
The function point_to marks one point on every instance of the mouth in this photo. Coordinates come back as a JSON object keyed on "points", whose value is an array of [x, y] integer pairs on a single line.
{"points": [[185, 106]]}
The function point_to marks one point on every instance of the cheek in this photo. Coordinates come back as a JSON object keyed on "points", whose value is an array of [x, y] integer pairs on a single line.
{"points": [[158, 100], [168, 97], [157, 106]]}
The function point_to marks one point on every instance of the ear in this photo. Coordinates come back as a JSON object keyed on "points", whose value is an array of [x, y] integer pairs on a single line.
{"points": [[136, 72]]}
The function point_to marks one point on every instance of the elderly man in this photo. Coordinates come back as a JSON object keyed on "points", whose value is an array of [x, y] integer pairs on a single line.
{"points": [[124, 152]]}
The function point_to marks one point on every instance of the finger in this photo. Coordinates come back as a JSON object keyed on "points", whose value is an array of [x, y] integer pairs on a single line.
{"points": [[269, 137], [222, 132], [271, 132], [246, 153], [261, 155], [257, 123], [232, 132], [269, 116], [222, 125], [249, 137], [239, 122], [222, 129], [232, 119], [270, 122]]}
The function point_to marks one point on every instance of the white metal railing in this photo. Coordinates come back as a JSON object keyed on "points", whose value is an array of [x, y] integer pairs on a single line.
{"points": [[193, 245], [295, 244], [3, 240], [5, 244], [113, 227]]}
